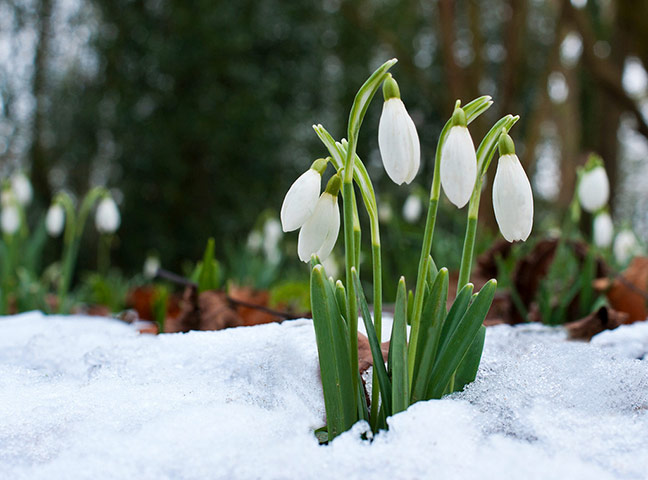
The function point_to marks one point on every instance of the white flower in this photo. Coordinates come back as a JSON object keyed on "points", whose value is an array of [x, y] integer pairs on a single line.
{"points": [[107, 218], [458, 166], [254, 241], [10, 219], [151, 266], [320, 232], [55, 220], [398, 142], [299, 203], [594, 189], [22, 189], [603, 230], [625, 246], [412, 208], [271, 237], [385, 213], [512, 199]]}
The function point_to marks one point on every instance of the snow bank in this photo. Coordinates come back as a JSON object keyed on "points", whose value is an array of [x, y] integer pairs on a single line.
{"points": [[90, 398]]}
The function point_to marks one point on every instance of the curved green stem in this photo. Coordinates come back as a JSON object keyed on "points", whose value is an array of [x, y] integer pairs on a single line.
{"points": [[472, 111]]}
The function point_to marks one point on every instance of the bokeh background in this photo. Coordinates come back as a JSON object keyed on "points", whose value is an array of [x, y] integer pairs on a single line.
{"points": [[197, 115]]}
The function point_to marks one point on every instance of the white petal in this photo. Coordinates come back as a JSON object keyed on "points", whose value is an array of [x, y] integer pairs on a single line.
{"points": [[10, 219], [603, 230], [319, 234], [625, 246], [412, 208], [107, 218], [458, 166], [22, 189], [512, 199], [299, 203], [55, 220], [398, 142], [594, 189]]}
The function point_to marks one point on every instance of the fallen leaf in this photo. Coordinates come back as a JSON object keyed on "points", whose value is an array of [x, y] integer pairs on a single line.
{"points": [[605, 318], [629, 292]]}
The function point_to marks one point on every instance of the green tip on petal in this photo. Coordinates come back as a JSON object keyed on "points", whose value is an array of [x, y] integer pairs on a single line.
{"points": [[506, 145], [459, 116], [390, 88], [319, 165], [334, 184]]}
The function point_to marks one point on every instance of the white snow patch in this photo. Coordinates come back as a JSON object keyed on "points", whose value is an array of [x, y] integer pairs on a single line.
{"points": [[83, 397], [629, 341]]}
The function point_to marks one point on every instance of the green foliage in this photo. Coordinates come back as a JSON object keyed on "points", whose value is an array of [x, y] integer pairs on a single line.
{"points": [[207, 273], [110, 290], [159, 305], [293, 295]]}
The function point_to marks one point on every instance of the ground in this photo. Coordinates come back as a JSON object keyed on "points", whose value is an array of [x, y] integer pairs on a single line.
{"points": [[85, 397]]}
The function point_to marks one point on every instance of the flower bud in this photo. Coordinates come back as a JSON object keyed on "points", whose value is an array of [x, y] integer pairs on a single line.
{"points": [[603, 230], [412, 208], [55, 220], [458, 161], [625, 246], [107, 218], [512, 195], [398, 139], [10, 219], [594, 186], [151, 266], [22, 189], [320, 232], [300, 200]]}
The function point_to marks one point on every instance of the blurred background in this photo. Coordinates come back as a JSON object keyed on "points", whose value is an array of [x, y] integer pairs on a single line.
{"points": [[197, 115]]}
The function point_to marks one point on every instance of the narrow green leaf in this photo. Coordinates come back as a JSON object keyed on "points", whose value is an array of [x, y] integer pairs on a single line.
{"points": [[340, 297], [488, 145], [455, 314], [333, 353], [374, 344], [410, 306], [457, 346], [432, 319], [398, 347], [468, 367]]}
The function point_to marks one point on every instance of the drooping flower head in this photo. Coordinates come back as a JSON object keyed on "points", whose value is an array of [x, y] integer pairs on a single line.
{"points": [[458, 161], [512, 195], [625, 246], [397, 137], [603, 229], [412, 208], [300, 200], [320, 232], [107, 218], [10, 215], [55, 219], [593, 186], [22, 188]]}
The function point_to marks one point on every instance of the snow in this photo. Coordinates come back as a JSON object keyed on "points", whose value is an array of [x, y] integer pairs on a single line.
{"points": [[90, 398]]}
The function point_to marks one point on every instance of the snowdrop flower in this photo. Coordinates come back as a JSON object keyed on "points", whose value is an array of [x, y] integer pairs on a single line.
{"points": [[22, 189], [594, 186], [458, 161], [512, 195], [254, 241], [603, 230], [10, 219], [55, 220], [412, 208], [320, 232], [385, 213], [107, 218], [271, 237], [625, 246], [397, 137], [151, 266], [300, 200]]}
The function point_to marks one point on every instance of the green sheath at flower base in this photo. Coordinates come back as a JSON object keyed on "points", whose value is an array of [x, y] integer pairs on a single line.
{"points": [[459, 116], [319, 165], [390, 88], [334, 184], [506, 145]]}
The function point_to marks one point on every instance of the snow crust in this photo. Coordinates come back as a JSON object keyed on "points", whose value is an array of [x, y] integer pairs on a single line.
{"points": [[90, 398]]}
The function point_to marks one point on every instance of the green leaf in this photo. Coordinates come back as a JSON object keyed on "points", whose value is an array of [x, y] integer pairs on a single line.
{"points": [[398, 347], [468, 367], [208, 271], [459, 342], [340, 297], [488, 145], [374, 344], [432, 319], [333, 353], [455, 314]]}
